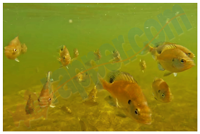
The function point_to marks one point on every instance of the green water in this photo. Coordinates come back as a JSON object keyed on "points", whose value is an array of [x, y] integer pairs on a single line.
{"points": [[45, 27]]}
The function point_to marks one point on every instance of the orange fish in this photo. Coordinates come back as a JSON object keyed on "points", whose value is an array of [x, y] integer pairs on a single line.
{"points": [[65, 58], [128, 95], [46, 96], [162, 46], [14, 49], [98, 54], [173, 58], [161, 91]]}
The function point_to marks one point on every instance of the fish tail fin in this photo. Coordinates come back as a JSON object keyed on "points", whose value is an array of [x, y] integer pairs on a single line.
{"points": [[101, 83], [147, 48]]}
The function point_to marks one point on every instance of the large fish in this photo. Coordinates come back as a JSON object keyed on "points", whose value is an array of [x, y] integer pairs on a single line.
{"points": [[172, 57], [128, 95]]}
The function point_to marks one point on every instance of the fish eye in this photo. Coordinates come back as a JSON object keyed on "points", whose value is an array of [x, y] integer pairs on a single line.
{"points": [[182, 60], [49, 99], [136, 111], [15, 50], [163, 95], [129, 101], [63, 58], [111, 80]]}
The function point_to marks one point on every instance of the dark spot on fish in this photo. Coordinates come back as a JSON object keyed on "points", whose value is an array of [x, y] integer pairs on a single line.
{"points": [[158, 91], [49, 99], [63, 58], [159, 52], [188, 54], [129, 101], [163, 95], [136, 111], [38, 100], [173, 59], [111, 80], [182, 60]]}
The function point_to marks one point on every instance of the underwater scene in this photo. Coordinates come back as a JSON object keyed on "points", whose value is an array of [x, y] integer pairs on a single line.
{"points": [[99, 67]]}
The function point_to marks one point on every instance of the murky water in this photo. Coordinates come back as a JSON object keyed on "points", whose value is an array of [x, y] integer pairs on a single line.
{"points": [[44, 28]]}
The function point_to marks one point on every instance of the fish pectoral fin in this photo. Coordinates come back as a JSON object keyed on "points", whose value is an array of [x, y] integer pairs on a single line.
{"points": [[167, 73], [52, 106], [17, 60], [160, 67]]}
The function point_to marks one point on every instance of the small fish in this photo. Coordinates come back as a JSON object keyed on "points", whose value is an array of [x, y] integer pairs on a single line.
{"points": [[29, 105], [143, 65], [76, 53], [128, 94], [116, 56], [65, 58], [13, 50], [66, 109], [46, 96], [98, 54], [161, 91], [32, 110], [93, 94], [82, 76]]}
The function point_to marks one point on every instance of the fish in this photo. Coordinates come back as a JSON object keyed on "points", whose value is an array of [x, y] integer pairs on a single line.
{"points": [[128, 94], [161, 91], [97, 54], [65, 57], [29, 105], [14, 49], [66, 109], [143, 65], [81, 77], [46, 97], [160, 47], [76, 53], [174, 61], [93, 94], [172, 57], [29, 112]]}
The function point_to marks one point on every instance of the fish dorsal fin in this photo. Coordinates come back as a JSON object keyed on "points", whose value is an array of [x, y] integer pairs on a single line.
{"points": [[168, 46], [118, 75]]}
